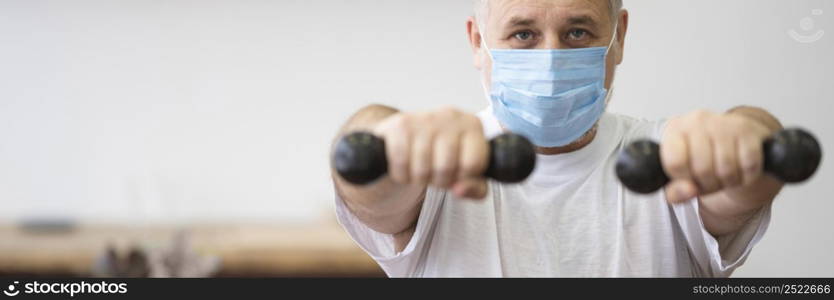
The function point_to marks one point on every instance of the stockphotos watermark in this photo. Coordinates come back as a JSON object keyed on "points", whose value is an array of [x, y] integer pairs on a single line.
{"points": [[808, 32], [63, 288]]}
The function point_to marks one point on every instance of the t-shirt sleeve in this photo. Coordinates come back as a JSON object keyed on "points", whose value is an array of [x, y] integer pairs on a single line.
{"points": [[719, 257], [713, 257], [381, 246]]}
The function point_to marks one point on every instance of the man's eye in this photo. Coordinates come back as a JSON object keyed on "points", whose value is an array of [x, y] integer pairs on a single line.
{"points": [[577, 34], [524, 36]]}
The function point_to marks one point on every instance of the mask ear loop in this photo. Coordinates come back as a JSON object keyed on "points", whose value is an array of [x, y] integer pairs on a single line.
{"points": [[613, 38], [483, 72], [483, 39], [607, 50]]}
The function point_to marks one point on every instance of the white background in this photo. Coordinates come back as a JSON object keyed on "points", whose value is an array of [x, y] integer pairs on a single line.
{"points": [[183, 111]]}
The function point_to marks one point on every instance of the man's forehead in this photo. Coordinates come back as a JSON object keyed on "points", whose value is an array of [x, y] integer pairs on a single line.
{"points": [[506, 11]]}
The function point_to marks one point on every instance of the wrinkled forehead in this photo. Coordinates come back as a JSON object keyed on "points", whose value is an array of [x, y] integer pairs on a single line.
{"points": [[507, 12]]}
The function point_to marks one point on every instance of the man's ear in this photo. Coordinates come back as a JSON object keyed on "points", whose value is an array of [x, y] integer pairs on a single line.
{"points": [[622, 29], [473, 33]]}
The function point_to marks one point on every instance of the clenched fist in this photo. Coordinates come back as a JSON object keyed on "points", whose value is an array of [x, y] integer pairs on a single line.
{"points": [[444, 148], [704, 152]]}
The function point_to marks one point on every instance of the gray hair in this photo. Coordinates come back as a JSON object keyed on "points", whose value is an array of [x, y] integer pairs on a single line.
{"points": [[481, 7]]}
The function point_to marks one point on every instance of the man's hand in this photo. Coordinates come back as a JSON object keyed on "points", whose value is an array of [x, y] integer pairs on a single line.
{"points": [[445, 148], [705, 152], [718, 157]]}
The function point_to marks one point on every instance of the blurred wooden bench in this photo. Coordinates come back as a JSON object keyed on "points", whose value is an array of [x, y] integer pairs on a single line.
{"points": [[244, 250]]}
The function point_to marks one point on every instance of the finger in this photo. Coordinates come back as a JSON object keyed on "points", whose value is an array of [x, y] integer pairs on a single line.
{"points": [[681, 190], [473, 157], [472, 188], [701, 162], [751, 158], [421, 157], [445, 159], [726, 160], [397, 144], [674, 155]]}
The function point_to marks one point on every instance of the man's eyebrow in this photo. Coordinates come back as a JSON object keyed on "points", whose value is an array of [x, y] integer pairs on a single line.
{"points": [[520, 21], [582, 20]]}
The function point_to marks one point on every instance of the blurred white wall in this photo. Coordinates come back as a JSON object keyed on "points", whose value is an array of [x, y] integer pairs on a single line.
{"points": [[180, 111]]}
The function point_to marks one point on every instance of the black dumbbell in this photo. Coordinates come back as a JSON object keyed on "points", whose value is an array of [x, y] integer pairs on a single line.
{"points": [[791, 155], [360, 158]]}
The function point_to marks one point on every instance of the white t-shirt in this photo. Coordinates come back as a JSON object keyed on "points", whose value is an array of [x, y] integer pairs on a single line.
{"points": [[570, 218]]}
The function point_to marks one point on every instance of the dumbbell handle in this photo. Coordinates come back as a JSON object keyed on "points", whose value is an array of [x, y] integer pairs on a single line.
{"points": [[360, 158], [791, 155]]}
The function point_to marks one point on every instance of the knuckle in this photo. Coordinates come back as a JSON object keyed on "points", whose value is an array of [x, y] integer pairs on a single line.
{"points": [[720, 128], [399, 164], [677, 166], [420, 173], [727, 175], [703, 170], [401, 121], [751, 166], [445, 113], [397, 155], [470, 166], [443, 171], [739, 122], [751, 159], [725, 161], [475, 124], [697, 118], [674, 126], [422, 117], [702, 114], [467, 117], [448, 109], [760, 131]]}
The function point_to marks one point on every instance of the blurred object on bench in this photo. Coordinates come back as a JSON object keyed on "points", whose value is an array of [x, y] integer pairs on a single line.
{"points": [[178, 259]]}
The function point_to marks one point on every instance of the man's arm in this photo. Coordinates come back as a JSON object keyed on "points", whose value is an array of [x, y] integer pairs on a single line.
{"points": [[384, 206], [719, 159]]}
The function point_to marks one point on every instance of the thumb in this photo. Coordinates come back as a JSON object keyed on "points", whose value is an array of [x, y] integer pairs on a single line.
{"points": [[680, 190]]}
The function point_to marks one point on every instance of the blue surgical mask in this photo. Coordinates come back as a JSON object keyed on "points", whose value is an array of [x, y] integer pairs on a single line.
{"points": [[554, 96]]}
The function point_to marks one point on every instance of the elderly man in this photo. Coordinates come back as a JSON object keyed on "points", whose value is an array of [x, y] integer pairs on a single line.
{"points": [[547, 68]]}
